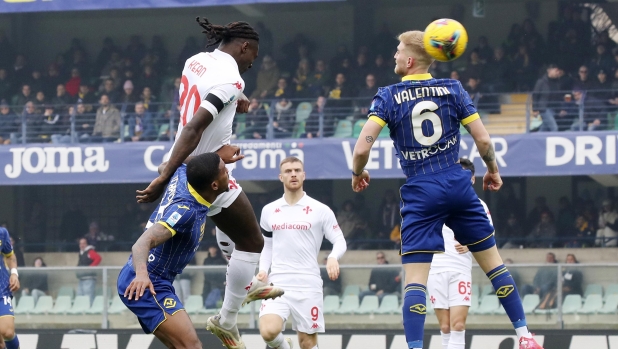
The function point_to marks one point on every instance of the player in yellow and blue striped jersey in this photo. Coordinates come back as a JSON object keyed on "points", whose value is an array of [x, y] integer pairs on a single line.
{"points": [[424, 115]]}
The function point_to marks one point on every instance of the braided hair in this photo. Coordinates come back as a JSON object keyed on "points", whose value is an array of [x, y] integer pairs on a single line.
{"points": [[226, 33]]}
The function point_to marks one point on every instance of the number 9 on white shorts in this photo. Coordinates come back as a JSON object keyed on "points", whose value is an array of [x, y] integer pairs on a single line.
{"points": [[305, 308]]}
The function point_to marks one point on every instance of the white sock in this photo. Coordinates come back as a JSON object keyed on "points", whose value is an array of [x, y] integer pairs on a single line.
{"points": [[458, 340], [279, 342], [523, 332], [240, 271], [445, 339]]}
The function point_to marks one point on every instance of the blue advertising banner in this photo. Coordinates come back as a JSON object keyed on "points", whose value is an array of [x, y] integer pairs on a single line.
{"points": [[8, 6], [537, 154]]}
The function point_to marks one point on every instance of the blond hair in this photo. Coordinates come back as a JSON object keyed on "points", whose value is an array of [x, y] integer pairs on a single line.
{"points": [[290, 159], [413, 41]]}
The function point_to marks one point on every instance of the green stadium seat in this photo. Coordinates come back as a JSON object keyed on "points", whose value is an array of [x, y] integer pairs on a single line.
{"points": [[247, 308], [389, 305], [163, 130], [593, 289], [351, 290], [343, 129], [25, 305], [193, 304], [349, 305], [475, 290], [240, 128], [611, 305], [572, 304], [331, 304], [43, 306], [80, 306], [474, 300], [488, 305], [358, 127], [63, 304], [400, 309], [592, 305], [385, 133], [369, 305], [303, 111], [208, 311], [117, 306], [66, 291], [97, 306], [487, 289], [500, 310], [530, 302], [611, 289], [299, 129]]}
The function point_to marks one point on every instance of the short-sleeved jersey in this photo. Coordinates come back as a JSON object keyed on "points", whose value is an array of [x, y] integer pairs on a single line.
{"points": [[423, 115], [210, 73], [7, 250], [451, 260], [183, 212], [297, 234]]}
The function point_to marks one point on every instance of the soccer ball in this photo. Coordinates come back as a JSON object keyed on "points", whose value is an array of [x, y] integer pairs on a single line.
{"points": [[445, 39]]}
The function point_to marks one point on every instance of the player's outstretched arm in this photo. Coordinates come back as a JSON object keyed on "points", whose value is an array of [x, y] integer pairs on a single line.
{"points": [[11, 263], [362, 149], [491, 180], [184, 146], [151, 238]]}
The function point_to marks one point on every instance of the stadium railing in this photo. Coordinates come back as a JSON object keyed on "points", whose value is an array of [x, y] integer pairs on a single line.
{"points": [[353, 244], [551, 295], [505, 113]]}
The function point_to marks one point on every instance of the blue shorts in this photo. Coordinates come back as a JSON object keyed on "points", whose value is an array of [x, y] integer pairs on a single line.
{"points": [[6, 306], [430, 201], [151, 311]]}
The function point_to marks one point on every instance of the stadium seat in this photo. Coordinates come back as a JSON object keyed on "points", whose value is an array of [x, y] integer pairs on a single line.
{"points": [[97, 306], [247, 308], [66, 291], [193, 304], [163, 131], [389, 305], [343, 129], [208, 311], [385, 133], [351, 290], [592, 305], [25, 305], [331, 304], [81, 304], [611, 289], [43, 306], [475, 290], [474, 300], [240, 128], [593, 289], [369, 305], [500, 310], [487, 289], [358, 127], [530, 302], [303, 111], [572, 304], [349, 305], [117, 306], [63, 303], [488, 305], [611, 305]]}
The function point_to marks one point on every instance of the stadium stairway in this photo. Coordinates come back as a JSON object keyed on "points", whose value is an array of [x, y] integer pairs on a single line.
{"points": [[512, 116]]}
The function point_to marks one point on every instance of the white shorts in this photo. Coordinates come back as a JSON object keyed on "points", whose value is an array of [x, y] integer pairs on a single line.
{"points": [[449, 289], [305, 308], [224, 200]]}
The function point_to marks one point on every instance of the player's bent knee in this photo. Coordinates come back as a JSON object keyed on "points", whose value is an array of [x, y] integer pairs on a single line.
{"points": [[269, 334], [445, 328], [459, 325]]}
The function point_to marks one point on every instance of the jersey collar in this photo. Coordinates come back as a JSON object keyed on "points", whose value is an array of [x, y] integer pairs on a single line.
{"points": [[300, 202], [220, 54], [197, 196], [425, 76]]}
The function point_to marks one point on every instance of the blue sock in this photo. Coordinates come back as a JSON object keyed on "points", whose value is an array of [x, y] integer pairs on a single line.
{"points": [[507, 293], [12, 344], [414, 312]]}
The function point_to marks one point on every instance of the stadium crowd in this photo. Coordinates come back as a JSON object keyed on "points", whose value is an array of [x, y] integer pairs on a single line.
{"points": [[132, 93]]}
